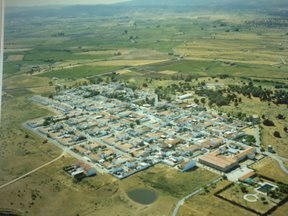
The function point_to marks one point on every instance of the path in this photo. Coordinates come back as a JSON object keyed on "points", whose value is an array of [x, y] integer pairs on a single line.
{"points": [[279, 160], [31, 172], [273, 156]]}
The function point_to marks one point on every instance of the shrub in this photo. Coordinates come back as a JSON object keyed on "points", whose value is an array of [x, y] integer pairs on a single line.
{"points": [[277, 134], [281, 117], [268, 122]]}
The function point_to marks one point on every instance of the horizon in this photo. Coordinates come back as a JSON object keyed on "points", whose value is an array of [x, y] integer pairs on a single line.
{"points": [[31, 3]]}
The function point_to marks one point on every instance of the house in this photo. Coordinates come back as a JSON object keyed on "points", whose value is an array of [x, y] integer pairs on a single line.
{"points": [[185, 96], [88, 170], [248, 178], [187, 165], [80, 149]]}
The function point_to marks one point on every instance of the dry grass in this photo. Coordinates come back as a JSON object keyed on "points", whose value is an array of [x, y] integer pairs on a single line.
{"points": [[12, 58], [168, 72], [126, 62], [270, 168], [207, 204], [270, 112], [173, 182], [281, 211], [234, 194]]}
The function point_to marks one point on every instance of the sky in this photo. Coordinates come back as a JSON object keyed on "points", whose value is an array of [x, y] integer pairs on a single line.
{"points": [[30, 3]]}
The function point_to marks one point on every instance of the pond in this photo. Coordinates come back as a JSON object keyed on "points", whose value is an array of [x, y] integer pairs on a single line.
{"points": [[142, 196], [265, 188]]}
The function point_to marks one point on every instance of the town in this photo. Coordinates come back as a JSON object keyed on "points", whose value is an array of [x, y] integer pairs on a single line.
{"points": [[121, 131]]}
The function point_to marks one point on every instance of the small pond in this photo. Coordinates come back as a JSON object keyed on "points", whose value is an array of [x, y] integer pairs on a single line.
{"points": [[265, 188], [142, 196]]}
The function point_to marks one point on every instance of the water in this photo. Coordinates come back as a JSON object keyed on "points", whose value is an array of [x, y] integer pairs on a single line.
{"points": [[142, 196], [265, 188]]}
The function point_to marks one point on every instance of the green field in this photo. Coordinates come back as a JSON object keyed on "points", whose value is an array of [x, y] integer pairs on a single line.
{"points": [[214, 68], [78, 72], [175, 183]]}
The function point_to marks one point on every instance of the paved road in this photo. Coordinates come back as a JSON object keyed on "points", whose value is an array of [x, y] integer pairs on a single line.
{"points": [[257, 136], [182, 201], [31, 172]]}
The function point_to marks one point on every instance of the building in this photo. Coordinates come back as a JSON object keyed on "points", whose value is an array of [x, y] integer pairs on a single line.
{"points": [[185, 96], [88, 170], [228, 157], [222, 164], [187, 165]]}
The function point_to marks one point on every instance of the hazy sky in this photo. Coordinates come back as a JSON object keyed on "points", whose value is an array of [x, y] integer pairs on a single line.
{"points": [[57, 2]]}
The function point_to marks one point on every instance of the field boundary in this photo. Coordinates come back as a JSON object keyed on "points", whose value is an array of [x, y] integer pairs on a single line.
{"points": [[270, 211]]}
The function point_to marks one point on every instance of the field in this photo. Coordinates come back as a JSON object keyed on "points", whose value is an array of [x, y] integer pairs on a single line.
{"points": [[163, 178], [78, 72], [46, 52]]}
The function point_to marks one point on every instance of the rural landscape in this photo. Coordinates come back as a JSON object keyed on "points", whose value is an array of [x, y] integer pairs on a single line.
{"points": [[145, 108]]}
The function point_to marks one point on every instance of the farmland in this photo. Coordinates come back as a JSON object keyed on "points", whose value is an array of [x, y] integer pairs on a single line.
{"points": [[172, 53]]}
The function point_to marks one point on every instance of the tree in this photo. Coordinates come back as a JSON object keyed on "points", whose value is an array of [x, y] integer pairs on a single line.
{"points": [[280, 116], [268, 122], [138, 122], [243, 188], [145, 85], [57, 88], [203, 101], [277, 134]]}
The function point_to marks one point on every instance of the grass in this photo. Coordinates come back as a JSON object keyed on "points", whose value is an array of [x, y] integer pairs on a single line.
{"points": [[281, 211], [214, 68], [175, 183], [208, 204], [270, 168], [234, 194], [267, 138], [10, 68], [78, 72], [59, 55]]}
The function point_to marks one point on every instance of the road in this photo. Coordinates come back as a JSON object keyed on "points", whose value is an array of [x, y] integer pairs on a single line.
{"points": [[257, 136], [31, 172], [182, 201], [273, 156]]}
